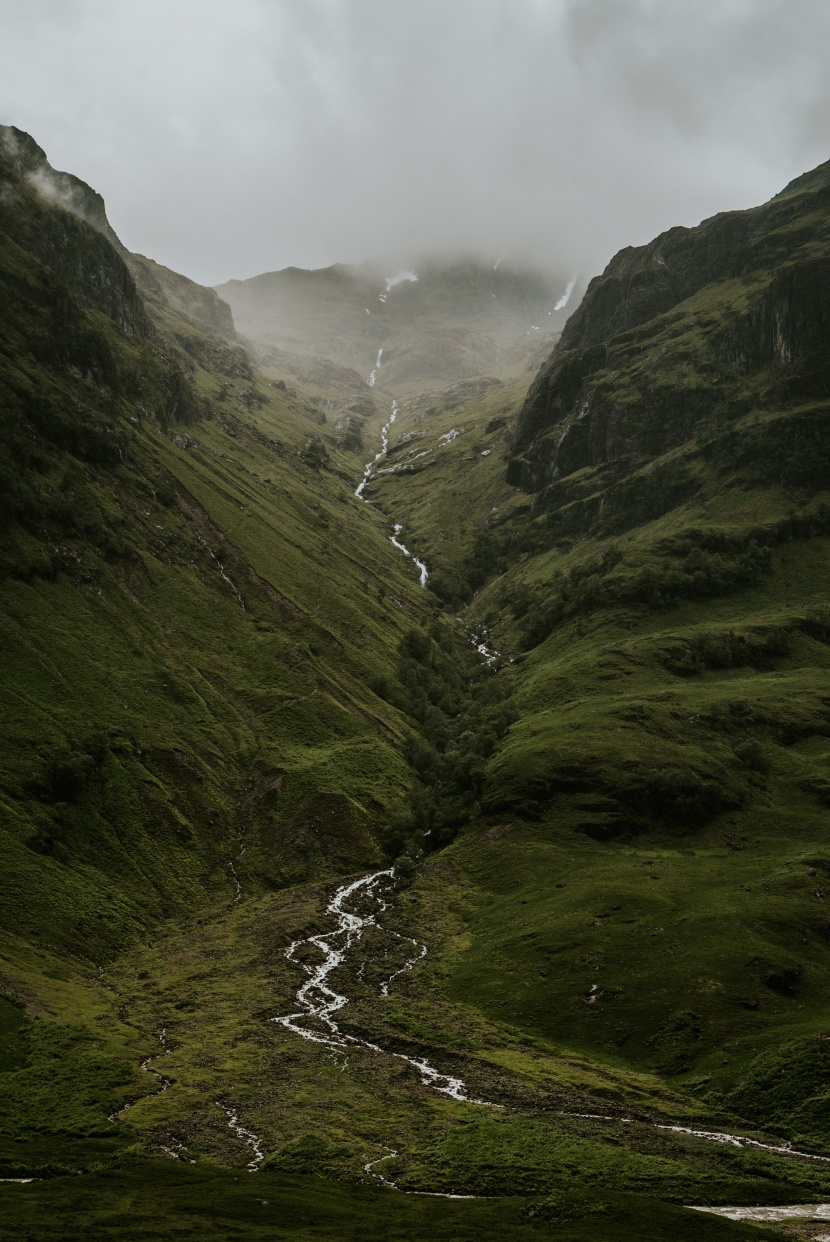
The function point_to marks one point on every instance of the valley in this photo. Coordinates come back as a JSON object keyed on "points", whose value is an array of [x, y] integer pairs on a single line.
{"points": [[414, 759]]}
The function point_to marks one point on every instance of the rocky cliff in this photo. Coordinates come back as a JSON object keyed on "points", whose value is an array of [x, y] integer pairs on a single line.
{"points": [[699, 326]]}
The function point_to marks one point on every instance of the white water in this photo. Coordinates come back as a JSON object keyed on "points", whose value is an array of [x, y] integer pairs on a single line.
{"points": [[740, 1140], [164, 1083], [370, 1168], [319, 1002], [222, 573], [252, 1140], [240, 840], [394, 539], [384, 446], [371, 380], [480, 644], [177, 1150], [794, 1211], [566, 296], [711, 1136], [367, 474]]}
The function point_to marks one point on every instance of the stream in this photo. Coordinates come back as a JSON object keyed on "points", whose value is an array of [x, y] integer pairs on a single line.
{"points": [[369, 470], [319, 1002], [710, 1136]]}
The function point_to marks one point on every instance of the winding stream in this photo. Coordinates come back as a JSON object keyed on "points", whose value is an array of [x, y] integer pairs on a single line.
{"points": [[164, 1083], [371, 380], [384, 447], [710, 1136], [394, 539], [248, 1137], [319, 1001], [369, 470]]}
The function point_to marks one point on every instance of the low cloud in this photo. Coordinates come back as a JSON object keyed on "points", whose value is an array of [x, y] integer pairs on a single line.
{"points": [[234, 138]]}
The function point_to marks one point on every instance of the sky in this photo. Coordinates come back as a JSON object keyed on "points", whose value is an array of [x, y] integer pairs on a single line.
{"points": [[232, 137]]}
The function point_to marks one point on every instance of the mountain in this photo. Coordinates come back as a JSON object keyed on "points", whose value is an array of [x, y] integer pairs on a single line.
{"points": [[306, 895], [443, 322], [647, 534]]}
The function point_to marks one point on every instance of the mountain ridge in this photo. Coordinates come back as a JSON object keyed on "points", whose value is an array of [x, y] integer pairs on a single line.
{"points": [[443, 322]]}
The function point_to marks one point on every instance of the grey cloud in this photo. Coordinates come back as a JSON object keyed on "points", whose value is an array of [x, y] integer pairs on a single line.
{"points": [[234, 138]]}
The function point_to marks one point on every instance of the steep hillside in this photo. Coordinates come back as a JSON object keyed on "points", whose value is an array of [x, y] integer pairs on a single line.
{"points": [[193, 605], [652, 882]]}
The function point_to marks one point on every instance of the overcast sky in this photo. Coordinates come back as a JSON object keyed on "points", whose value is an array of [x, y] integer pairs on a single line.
{"points": [[231, 137]]}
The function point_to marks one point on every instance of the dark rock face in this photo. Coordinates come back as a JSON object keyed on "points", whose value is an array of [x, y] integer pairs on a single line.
{"points": [[169, 293], [701, 323], [48, 214], [61, 188]]}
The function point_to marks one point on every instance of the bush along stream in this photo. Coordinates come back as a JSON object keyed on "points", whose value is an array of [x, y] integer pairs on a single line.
{"points": [[461, 708]]}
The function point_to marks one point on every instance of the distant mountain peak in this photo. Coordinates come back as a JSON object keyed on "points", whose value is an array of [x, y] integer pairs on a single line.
{"points": [[436, 320]]}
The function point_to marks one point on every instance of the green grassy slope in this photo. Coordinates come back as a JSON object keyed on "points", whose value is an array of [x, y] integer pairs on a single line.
{"points": [[199, 586], [649, 882], [167, 1201], [193, 607]]}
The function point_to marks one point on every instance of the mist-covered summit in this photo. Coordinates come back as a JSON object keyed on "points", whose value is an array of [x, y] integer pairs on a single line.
{"points": [[62, 189], [434, 320]]}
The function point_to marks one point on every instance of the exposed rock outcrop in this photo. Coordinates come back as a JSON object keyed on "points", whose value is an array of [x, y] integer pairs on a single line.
{"points": [[692, 327]]}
